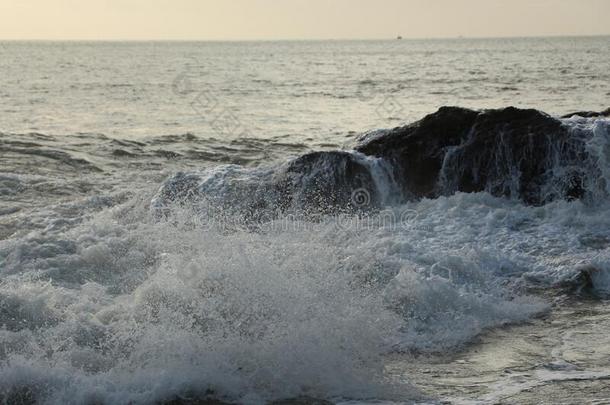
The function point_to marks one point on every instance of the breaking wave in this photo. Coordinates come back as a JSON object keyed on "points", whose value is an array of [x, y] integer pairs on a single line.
{"points": [[292, 279]]}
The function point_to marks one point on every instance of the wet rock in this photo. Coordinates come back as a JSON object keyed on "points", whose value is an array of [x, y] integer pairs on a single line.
{"points": [[581, 283], [325, 182], [211, 401], [517, 153], [508, 152], [312, 184], [418, 149], [301, 401], [589, 114], [204, 401]]}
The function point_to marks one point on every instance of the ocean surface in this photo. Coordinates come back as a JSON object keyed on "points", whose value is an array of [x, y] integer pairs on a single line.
{"points": [[110, 294]]}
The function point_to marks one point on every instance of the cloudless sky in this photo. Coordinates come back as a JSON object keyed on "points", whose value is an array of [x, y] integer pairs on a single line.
{"points": [[298, 19]]}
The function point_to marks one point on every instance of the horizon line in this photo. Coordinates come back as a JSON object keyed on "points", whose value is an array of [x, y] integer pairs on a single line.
{"points": [[456, 37]]}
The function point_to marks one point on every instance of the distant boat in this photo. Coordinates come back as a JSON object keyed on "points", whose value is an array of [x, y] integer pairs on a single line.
{"points": [[399, 37]]}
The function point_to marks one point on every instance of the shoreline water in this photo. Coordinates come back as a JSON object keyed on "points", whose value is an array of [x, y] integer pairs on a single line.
{"points": [[561, 358]]}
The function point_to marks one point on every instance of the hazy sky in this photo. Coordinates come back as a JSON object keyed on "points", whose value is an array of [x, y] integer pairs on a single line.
{"points": [[298, 19]]}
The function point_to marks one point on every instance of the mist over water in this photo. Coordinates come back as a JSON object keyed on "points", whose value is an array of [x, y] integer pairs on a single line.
{"points": [[142, 257]]}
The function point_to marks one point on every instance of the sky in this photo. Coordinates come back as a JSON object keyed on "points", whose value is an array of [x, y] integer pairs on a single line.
{"points": [[298, 19]]}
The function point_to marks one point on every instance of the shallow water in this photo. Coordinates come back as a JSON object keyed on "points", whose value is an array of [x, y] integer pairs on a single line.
{"points": [[562, 358]]}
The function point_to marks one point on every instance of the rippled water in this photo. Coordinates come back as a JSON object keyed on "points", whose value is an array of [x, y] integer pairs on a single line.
{"points": [[104, 299], [313, 92]]}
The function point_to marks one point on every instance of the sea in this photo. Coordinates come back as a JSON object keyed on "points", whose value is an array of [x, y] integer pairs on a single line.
{"points": [[106, 298]]}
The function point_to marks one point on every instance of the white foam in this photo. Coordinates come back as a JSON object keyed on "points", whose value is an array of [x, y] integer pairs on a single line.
{"points": [[142, 310], [118, 305], [175, 308]]}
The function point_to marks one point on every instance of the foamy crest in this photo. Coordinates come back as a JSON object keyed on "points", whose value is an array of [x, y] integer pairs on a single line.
{"points": [[180, 310]]}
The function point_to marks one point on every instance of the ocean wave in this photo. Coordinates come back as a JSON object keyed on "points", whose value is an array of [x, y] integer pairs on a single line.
{"points": [[297, 278]]}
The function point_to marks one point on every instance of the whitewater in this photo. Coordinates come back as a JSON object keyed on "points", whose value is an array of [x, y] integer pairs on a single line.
{"points": [[172, 230]]}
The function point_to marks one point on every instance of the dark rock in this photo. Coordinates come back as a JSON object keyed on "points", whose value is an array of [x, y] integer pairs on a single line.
{"points": [[418, 149], [193, 398], [301, 401], [314, 184], [516, 153], [508, 152], [202, 401], [581, 282], [211, 401], [589, 114], [324, 182]]}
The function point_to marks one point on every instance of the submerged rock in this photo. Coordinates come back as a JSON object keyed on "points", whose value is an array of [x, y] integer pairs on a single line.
{"points": [[588, 281], [326, 181], [312, 184], [580, 283], [208, 401], [202, 401], [516, 153], [589, 114]]}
